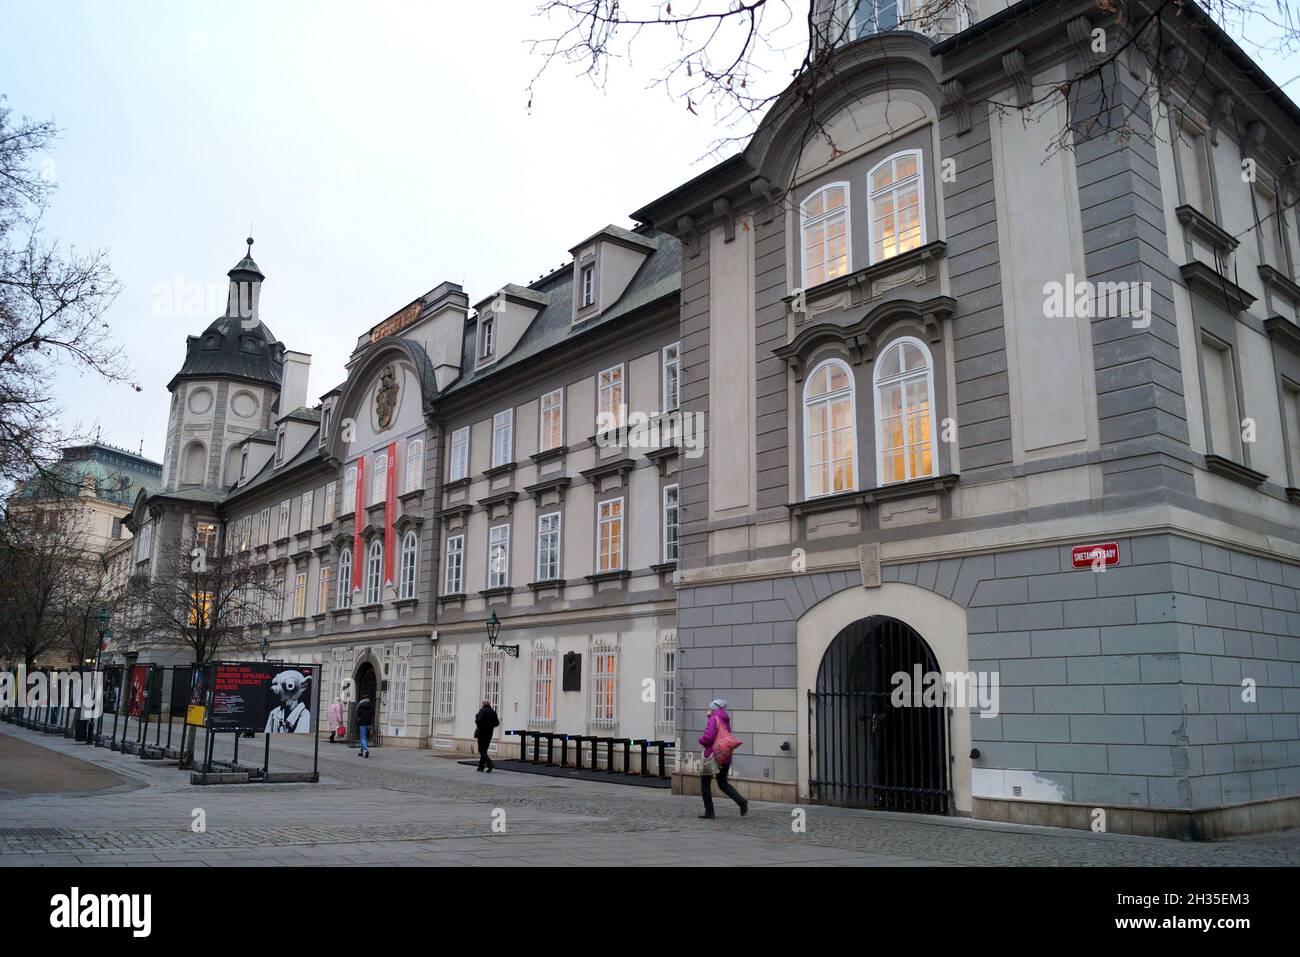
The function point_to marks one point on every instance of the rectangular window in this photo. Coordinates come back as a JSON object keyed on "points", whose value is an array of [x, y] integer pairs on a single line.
{"points": [[1194, 163], [300, 595], [1221, 400], [1271, 216], [670, 523], [548, 547], [543, 688], [304, 513], [672, 364], [609, 536], [282, 529], [499, 556], [610, 405], [323, 589], [379, 486], [264, 527], [349, 491], [444, 701], [552, 421], [492, 681], [117, 528], [1291, 411], [489, 336], [667, 687], [414, 464], [401, 681], [503, 428], [325, 425], [331, 490], [604, 687], [588, 285], [277, 599], [458, 461], [453, 580], [205, 537]]}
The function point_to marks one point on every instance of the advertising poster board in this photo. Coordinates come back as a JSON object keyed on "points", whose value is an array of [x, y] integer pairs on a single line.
{"points": [[196, 711], [267, 697], [138, 690]]}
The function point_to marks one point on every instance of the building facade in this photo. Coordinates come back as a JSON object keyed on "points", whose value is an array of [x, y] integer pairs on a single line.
{"points": [[989, 385]]}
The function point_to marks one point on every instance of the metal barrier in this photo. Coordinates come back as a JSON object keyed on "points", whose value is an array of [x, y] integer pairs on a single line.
{"points": [[609, 743]]}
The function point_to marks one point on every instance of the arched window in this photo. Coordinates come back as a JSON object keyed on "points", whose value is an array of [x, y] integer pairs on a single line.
{"points": [[374, 571], [824, 223], [904, 381], [829, 434], [343, 598], [194, 464], [897, 203], [410, 548]]}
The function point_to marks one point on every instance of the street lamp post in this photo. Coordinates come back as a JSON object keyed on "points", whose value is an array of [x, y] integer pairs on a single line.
{"points": [[85, 733], [265, 647], [493, 629]]}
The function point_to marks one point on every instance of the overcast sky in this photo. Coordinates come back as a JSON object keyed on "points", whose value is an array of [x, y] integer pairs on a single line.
{"points": [[377, 148]]}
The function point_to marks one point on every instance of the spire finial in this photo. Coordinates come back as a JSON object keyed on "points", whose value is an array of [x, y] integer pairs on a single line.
{"points": [[249, 240]]}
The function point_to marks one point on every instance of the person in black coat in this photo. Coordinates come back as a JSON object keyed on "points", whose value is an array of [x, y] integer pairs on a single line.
{"points": [[365, 718], [484, 723]]}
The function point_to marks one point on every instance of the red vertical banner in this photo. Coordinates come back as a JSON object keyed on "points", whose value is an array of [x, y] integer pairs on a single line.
{"points": [[358, 558], [390, 509]]}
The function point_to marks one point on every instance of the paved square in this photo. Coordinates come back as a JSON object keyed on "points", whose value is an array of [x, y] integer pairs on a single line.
{"points": [[69, 804]]}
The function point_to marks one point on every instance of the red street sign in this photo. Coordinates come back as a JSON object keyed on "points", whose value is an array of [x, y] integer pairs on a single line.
{"points": [[1085, 556]]}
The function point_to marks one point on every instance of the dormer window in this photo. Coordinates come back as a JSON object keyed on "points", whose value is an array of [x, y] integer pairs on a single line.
{"points": [[325, 425], [279, 448], [589, 284], [489, 330], [243, 463]]}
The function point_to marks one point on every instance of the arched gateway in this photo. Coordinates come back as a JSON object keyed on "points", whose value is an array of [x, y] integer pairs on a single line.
{"points": [[864, 751]]}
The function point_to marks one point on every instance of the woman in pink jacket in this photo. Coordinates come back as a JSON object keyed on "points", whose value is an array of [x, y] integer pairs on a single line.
{"points": [[717, 717]]}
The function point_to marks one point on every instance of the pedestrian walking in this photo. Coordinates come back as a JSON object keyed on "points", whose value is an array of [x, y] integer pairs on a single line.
{"points": [[365, 715], [337, 730], [719, 745], [484, 723]]}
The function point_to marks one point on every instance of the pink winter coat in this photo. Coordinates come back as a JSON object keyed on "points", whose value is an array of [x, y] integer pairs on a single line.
{"points": [[711, 731], [336, 715]]}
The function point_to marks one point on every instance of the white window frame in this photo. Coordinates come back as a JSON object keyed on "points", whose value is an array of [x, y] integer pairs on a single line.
{"points": [[806, 222], [558, 532], [503, 437], [487, 339], [305, 509], [444, 700], [542, 680], [876, 386], [401, 682], [282, 526], [601, 713], [408, 565], [300, 595], [670, 357], [610, 388], [458, 455], [379, 486], [894, 188], [323, 578], [601, 523], [264, 527], [587, 275], [343, 594], [349, 490], [667, 655], [374, 572], [499, 579], [675, 525], [414, 465], [331, 502], [453, 578], [827, 399], [544, 443], [491, 678]]}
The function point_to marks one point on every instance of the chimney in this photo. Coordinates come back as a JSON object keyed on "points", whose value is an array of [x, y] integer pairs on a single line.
{"points": [[293, 381]]}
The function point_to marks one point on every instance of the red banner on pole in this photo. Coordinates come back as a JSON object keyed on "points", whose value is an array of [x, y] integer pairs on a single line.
{"points": [[390, 507], [358, 559]]}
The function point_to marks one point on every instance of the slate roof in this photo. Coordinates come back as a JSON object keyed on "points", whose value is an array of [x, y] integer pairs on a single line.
{"points": [[659, 276], [311, 451], [227, 349]]}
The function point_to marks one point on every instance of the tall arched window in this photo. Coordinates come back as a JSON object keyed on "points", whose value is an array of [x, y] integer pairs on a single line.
{"points": [[343, 598], [824, 219], [374, 571], [904, 381], [410, 548], [897, 203], [194, 464], [830, 446]]}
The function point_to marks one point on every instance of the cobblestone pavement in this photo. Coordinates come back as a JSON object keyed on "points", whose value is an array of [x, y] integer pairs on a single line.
{"points": [[411, 807]]}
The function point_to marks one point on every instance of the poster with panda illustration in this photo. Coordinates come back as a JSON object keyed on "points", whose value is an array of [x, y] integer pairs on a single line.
{"points": [[267, 697]]}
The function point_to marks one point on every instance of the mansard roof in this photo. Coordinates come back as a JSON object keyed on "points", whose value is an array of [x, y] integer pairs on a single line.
{"points": [[658, 277], [227, 349]]}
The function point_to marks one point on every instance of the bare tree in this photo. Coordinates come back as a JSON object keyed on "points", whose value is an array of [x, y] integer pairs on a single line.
{"points": [[53, 305], [41, 564]]}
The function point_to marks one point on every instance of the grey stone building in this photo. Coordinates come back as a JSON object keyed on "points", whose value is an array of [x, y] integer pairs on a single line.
{"points": [[938, 441]]}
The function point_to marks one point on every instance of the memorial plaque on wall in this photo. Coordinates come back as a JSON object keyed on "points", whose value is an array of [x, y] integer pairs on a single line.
{"points": [[572, 678]]}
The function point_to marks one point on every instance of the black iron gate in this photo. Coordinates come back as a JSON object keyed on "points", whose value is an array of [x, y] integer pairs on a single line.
{"points": [[864, 751]]}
